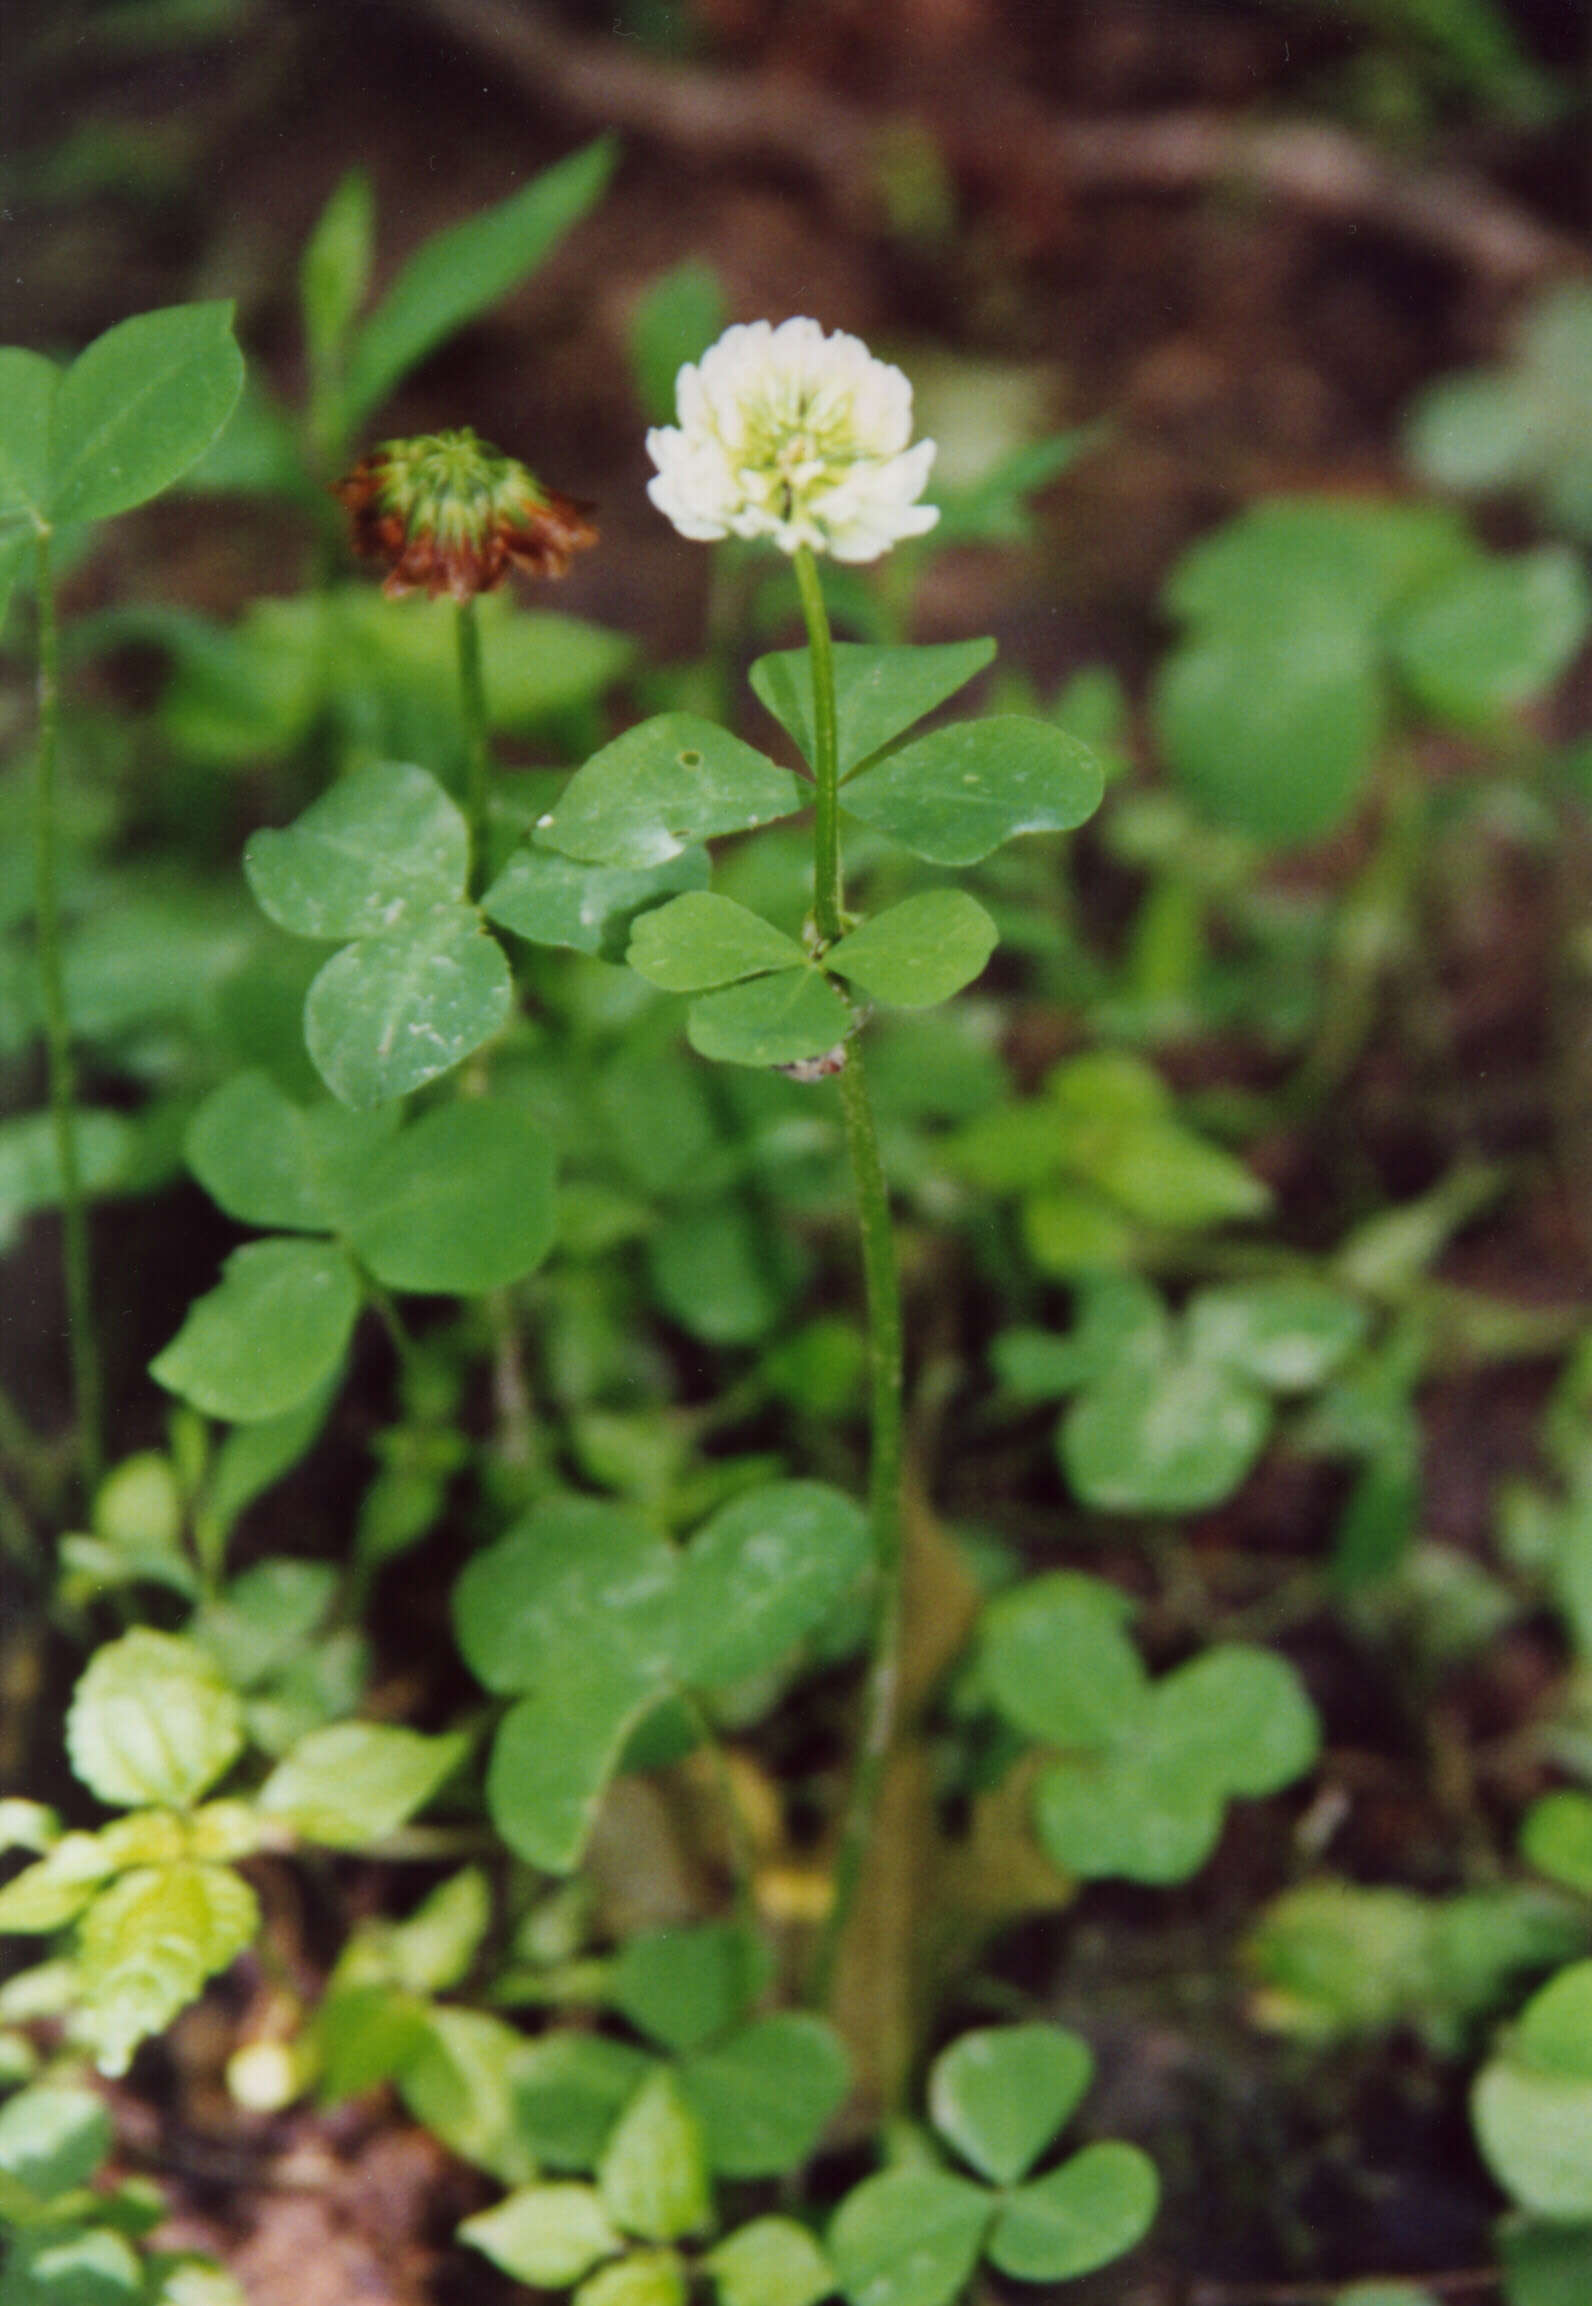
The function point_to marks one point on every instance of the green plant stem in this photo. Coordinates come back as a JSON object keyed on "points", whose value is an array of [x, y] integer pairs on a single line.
{"points": [[828, 893], [58, 1041], [477, 757], [883, 1288]]}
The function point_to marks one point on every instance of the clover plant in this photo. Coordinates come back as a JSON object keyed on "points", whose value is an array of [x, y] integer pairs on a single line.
{"points": [[499, 1055]]}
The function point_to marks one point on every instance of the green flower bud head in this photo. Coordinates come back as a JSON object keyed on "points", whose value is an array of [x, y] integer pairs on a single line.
{"points": [[448, 513]]}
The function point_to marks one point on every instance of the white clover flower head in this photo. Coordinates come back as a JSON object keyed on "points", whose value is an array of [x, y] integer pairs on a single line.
{"points": [[797, 436]]}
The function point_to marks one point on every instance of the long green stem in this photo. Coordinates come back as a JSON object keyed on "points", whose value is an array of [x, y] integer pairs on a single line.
{"points": [[58, 1040], [884, 1322], [828, 896], [477, 760]]}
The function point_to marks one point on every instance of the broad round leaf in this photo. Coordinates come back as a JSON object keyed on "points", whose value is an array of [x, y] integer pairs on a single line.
{"points": [[28, 387], [147, 1945], [275, 1328], [548, 2235], [1171, 1437], [82, 2266], [1557, 1839], [1474, 432], [1091, 2210], [378, 848], [908, 2238], [461, 1202], [458, 2083], [139, 407], [53, 2137], [1286, 1335], [1271, 732], [771, 1021], [390, 1013], [267, 1161], [552, 900], [554, 1756], [1495, 635], [662, 787], [653, 2176], [1231, 1721], [878, 691], [152, 1722], [1105, 1816], [724, 1271], [576, 1579], [768, 1569], [700, 940], [569, 2090], [355, 1782], [644, 2278], [1001, 2094], [955, 795], [766, 2096], [1555, 2032], [771, 2262], [920, 951], [1055, 1658], [1535, 2132], [683, 1986]]}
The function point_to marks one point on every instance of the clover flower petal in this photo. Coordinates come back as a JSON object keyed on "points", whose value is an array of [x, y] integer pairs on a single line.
{"points": [[796, 436]]}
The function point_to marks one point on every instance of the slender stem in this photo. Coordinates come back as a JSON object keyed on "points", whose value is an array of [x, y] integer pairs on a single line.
{"points": [[828, 894], [477, 760], [58, 1041], [884, 1324]]}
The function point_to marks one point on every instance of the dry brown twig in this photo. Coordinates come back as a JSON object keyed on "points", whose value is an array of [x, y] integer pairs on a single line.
{"points": [[718, 117]]}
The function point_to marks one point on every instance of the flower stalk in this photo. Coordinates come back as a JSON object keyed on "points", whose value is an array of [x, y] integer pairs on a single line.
{"points": [[477, 757], [82, 1335], [881, 1279]]}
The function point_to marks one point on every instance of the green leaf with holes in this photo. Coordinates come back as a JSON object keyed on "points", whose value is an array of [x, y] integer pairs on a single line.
{"points": [[460, 1203], [383, 846], [878, 691], [273, 1330], [920, 951], [662, 787], [392, 1012], [700, 940], [957, 794], [770, 1021]]}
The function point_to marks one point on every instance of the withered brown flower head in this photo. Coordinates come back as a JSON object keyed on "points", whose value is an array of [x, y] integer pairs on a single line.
{"points": [[450, 514]]}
